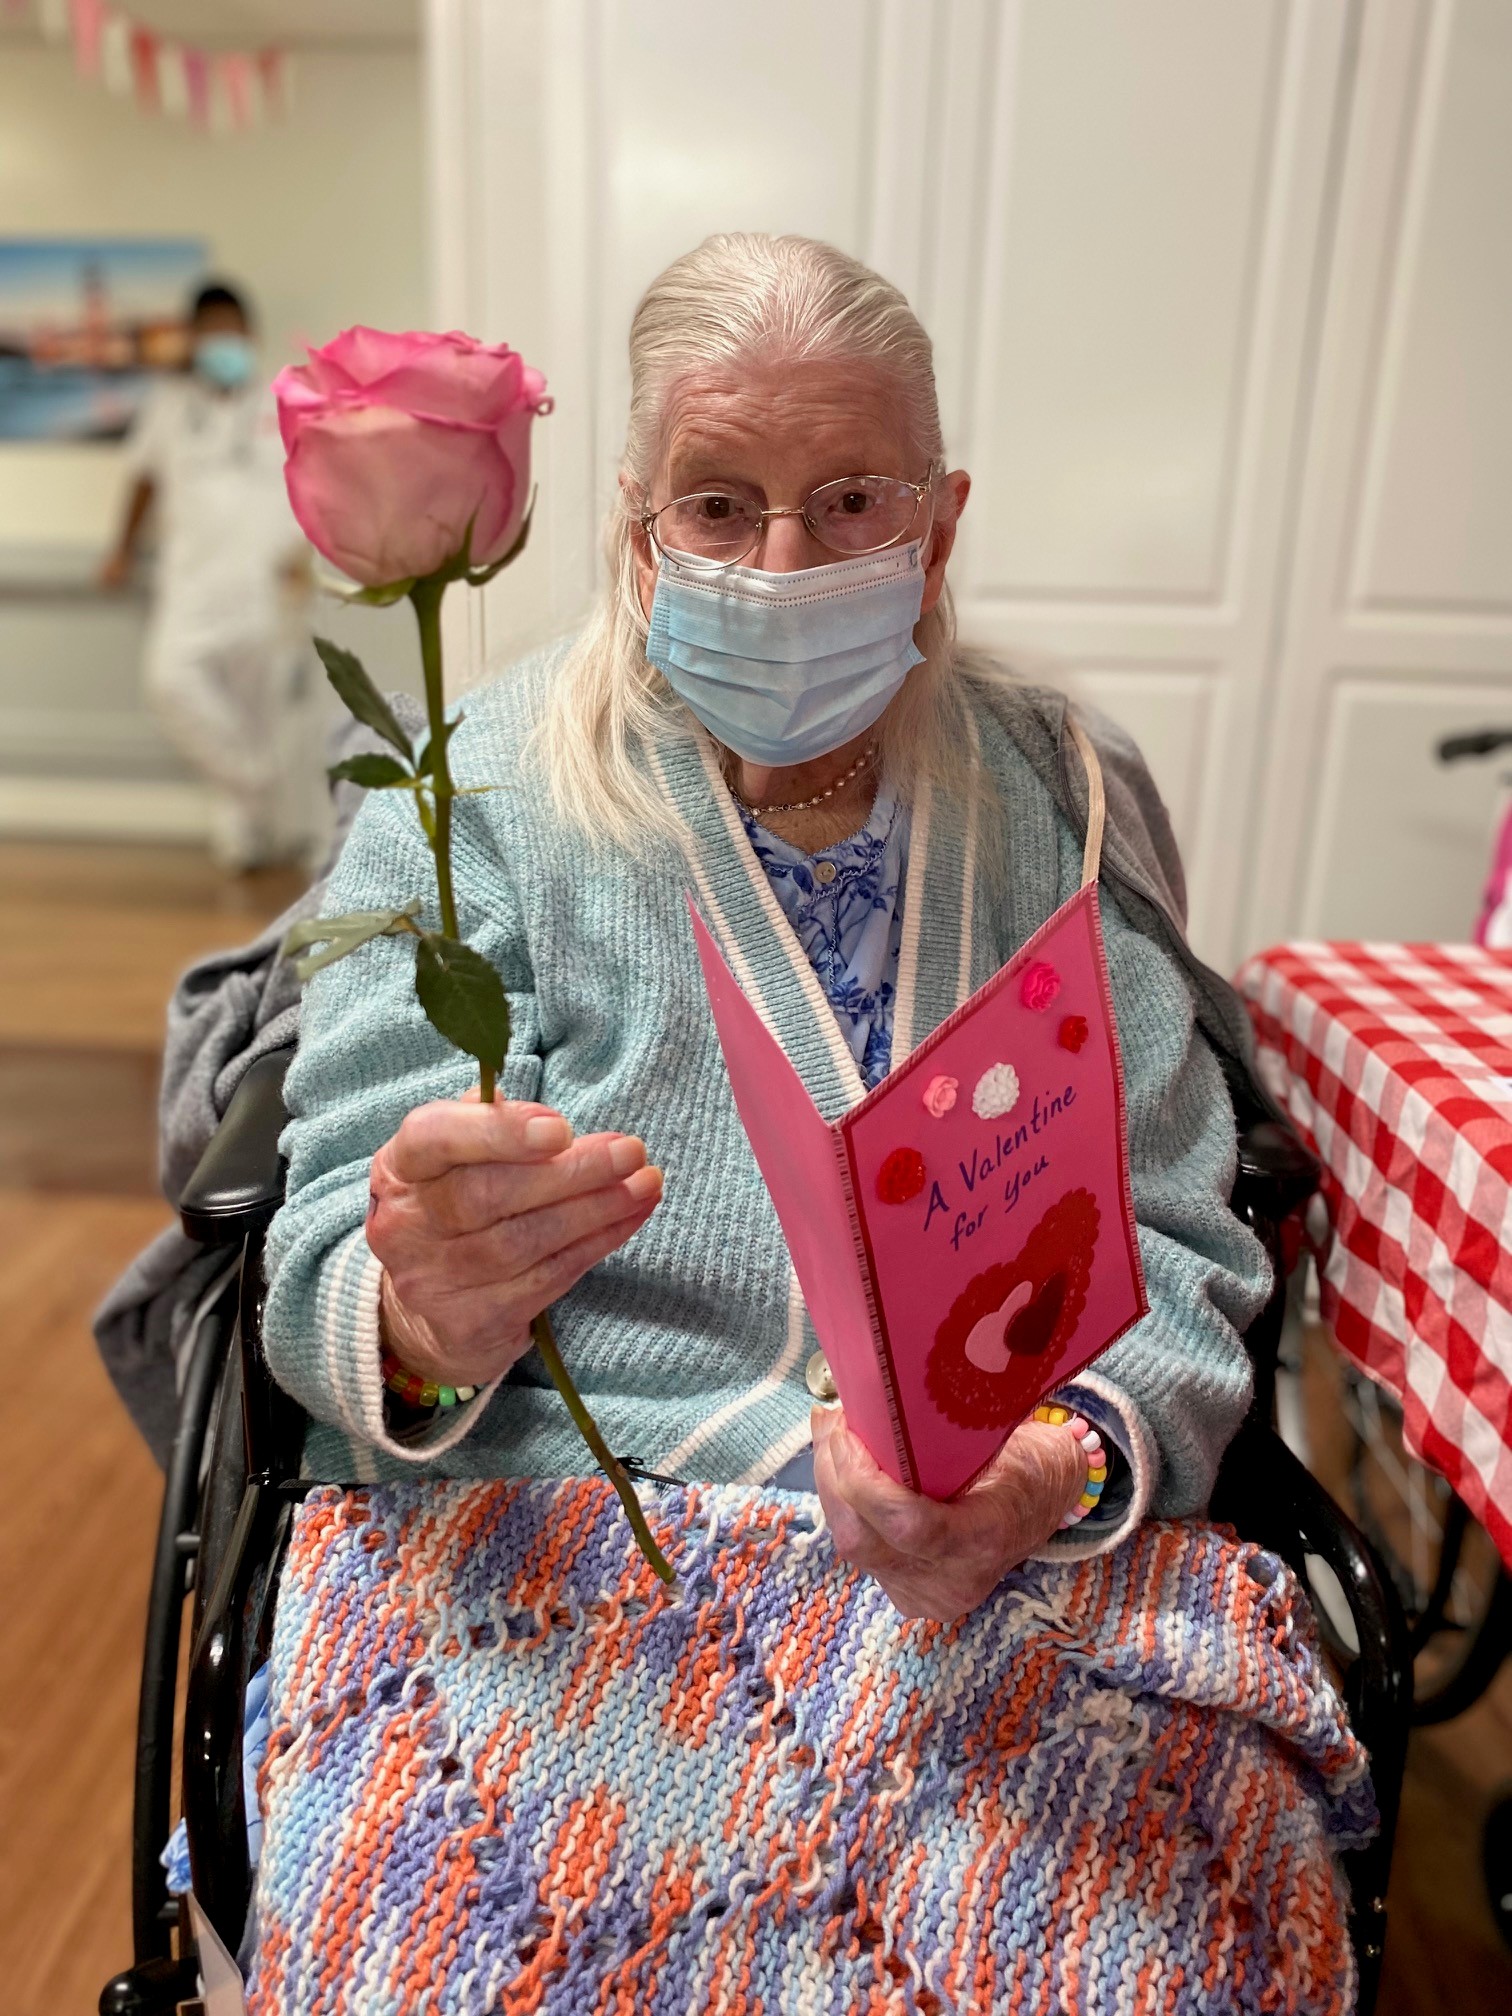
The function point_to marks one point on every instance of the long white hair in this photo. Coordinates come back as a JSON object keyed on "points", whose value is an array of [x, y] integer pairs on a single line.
{"points": [[735, 297]]}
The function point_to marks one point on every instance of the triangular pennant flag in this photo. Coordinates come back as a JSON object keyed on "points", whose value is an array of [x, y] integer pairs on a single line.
{"points": [[273, 75], [236, 75], [144, 68], [197, 82], [115, 53], [173, 85], [86, 24]]}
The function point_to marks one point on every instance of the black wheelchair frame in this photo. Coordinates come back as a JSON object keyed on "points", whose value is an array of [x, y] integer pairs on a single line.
{"points": [[233, 1480]]}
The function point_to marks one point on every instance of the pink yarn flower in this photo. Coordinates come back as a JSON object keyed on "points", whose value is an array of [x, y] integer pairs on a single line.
{"points": [[1039, 986], [940, 1096]]}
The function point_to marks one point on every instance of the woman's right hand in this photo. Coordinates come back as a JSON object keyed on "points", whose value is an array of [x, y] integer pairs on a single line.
{"points": [[482, 1216]]}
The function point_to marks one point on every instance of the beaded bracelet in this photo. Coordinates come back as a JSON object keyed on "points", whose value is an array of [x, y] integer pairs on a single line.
{"points": [[1092, 1449], [417, 1392]]}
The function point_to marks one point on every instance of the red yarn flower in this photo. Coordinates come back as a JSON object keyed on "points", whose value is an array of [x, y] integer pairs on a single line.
{"points": [[1018, 1336], [901, 1176], [1072, 1032]]}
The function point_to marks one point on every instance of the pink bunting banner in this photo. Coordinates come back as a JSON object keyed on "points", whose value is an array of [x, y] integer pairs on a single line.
{"points": [[214, 89]]}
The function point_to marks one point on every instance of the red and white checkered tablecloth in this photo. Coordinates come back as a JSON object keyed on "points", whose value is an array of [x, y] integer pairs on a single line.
{"points": [[1395, 1063]]}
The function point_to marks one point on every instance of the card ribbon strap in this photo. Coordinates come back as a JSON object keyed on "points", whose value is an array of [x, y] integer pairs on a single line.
{"points": [[1097, 802]]}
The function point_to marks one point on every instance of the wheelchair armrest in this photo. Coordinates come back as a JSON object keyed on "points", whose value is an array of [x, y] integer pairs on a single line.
{"points": [[239, 1182], [226, 1646], [1276, 1173]]}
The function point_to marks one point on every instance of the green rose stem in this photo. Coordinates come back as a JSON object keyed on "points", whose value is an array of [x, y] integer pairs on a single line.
{"points": [[426, 596]]}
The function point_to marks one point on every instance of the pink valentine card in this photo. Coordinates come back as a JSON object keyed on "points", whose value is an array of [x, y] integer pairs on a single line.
{"points": [[963, 1236]]}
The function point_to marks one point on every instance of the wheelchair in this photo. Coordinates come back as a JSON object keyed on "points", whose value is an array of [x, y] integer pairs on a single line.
{"points": [[233, 1482]]}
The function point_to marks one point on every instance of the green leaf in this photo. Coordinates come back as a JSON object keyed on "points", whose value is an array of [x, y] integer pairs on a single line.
{"points": [[426, 764], [373, 773], [360, 696], [342, 935], [384, 597], [463, 998]]}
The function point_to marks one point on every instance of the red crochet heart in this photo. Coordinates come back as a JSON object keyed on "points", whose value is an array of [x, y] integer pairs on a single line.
{"points": [[1055, 1260]]}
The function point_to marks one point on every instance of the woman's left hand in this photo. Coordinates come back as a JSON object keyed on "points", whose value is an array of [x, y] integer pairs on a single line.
{"points": [[936, 1559]]}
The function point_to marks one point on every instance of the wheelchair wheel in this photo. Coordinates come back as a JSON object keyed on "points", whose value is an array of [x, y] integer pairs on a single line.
{"points": [[1454, 1589]]}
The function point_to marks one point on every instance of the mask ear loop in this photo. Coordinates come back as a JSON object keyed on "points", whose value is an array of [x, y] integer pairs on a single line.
{"points": [[1097, 802], [926, 537]]}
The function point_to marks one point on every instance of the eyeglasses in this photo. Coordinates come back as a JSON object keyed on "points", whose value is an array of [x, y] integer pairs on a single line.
{"points": [[850, 516]]}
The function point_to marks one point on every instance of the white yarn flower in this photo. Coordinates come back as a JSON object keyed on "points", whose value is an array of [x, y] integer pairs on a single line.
{"points": [[996, 1093]]}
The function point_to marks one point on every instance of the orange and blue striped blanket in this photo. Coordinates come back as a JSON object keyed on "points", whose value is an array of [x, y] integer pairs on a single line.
{"points": [[509, 1772]]}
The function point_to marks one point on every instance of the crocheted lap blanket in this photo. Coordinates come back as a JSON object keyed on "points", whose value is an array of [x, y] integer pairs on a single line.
{"points": [[509, 1772]]}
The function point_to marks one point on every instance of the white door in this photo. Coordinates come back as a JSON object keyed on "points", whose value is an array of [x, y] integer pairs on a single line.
{"points": [[1129, 230], [1397, 628]]}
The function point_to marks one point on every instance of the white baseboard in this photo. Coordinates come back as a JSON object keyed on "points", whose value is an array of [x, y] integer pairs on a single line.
{"points": [[60, 808]]}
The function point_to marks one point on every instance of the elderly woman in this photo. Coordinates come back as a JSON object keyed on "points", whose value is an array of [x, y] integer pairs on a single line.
{"points": [[507, 1768]]}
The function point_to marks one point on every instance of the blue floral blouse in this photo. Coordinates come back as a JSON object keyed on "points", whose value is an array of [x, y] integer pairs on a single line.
{"points": [[846, 906]]}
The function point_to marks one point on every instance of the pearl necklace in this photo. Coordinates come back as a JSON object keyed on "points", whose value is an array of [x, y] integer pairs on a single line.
{"points": [[807, 804]]}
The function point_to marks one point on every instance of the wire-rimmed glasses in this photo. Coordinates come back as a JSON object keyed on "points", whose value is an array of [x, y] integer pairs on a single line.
{"points": [[851, 516]]}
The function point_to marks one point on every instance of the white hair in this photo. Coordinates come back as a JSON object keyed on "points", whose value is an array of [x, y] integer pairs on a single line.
{"points": [[738, 296]]}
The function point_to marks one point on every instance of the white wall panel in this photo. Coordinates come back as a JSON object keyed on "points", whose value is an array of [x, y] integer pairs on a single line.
{"points": [[1168, 711], [764, 143], [1397, 627], [1124, 225], [1155, 190], [1221, 308], [1396, 826], [1436, 500]]}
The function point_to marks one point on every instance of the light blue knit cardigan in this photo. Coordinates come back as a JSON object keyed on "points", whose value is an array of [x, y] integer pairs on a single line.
{"points": [[689, 1344]]}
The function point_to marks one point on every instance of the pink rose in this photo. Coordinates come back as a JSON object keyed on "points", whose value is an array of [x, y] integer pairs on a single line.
{"points": [[1040, 985], [396, 443], [940, 1096]]}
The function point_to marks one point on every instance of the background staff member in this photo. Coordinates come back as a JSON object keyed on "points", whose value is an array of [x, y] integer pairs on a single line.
{"points": [[224, 657]]}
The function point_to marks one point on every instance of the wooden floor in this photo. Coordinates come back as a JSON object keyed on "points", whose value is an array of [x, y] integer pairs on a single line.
{"points": [[90, 942]]}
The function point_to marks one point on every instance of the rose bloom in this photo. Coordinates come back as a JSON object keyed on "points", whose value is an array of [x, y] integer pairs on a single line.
{"points": [[396, 443], [940, 1096], [1040, 985]]}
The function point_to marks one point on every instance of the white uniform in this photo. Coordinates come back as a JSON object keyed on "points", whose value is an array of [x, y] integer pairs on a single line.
{"points": [[223, 652]]}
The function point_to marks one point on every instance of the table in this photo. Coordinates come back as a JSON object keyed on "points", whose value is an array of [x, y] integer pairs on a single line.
{"points": [[1395, 1064]]}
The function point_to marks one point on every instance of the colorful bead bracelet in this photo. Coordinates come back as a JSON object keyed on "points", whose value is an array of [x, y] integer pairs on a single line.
{"points": [[417, 1392], [1092, 1449]]}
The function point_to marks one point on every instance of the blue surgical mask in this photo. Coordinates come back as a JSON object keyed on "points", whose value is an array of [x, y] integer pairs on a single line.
{"points": [[226, 360], [782, 668]]}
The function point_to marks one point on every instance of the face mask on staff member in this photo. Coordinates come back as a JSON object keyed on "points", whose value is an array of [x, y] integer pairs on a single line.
{"points": [[224, 359]]}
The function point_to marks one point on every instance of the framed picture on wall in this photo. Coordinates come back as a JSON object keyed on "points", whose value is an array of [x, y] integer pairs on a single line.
{"points": [[85, 323]]}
